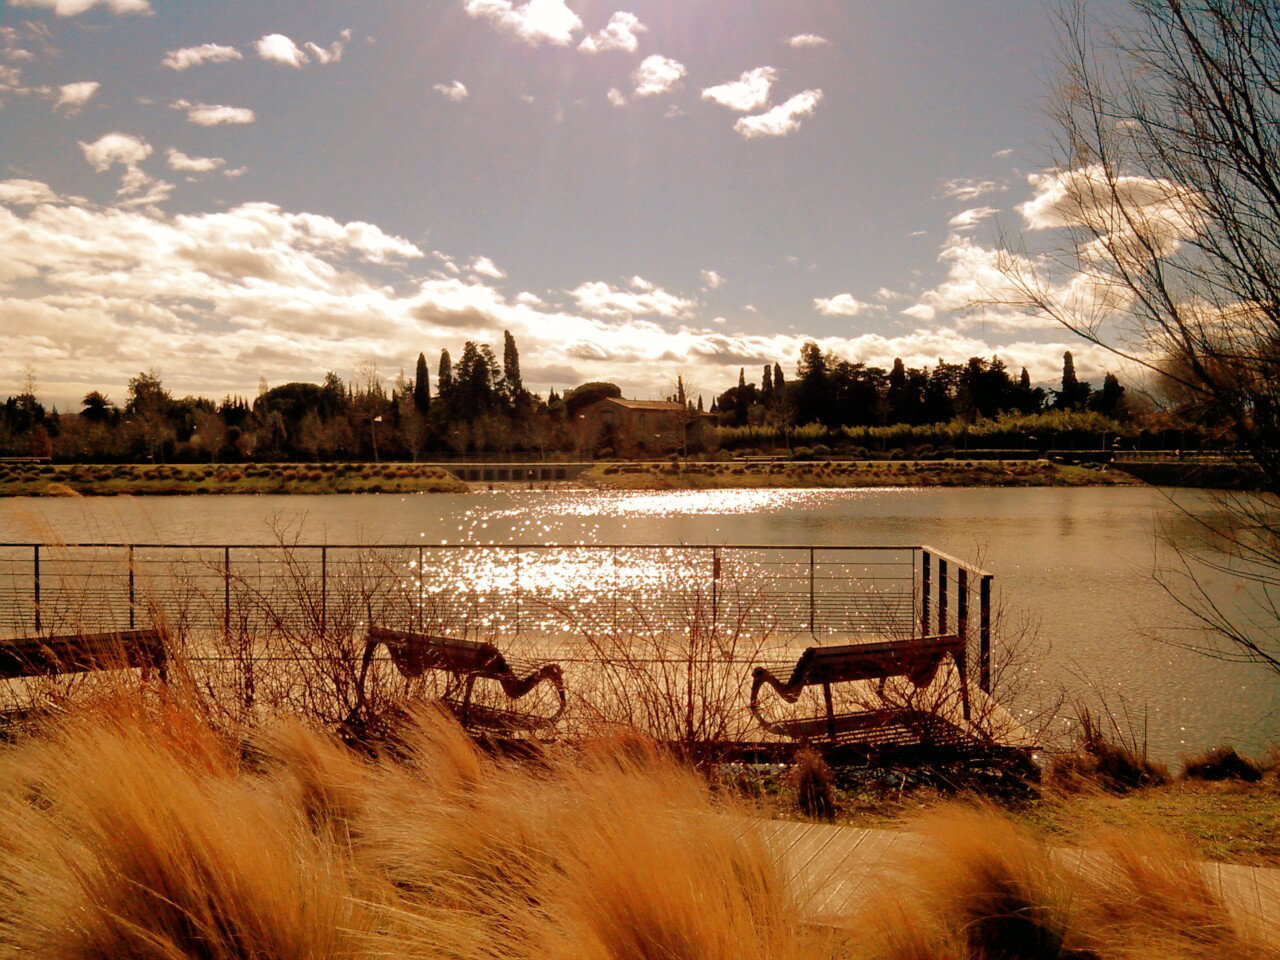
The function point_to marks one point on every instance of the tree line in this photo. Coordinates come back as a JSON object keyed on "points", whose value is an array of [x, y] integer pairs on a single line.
{"points": [[479, 405]]}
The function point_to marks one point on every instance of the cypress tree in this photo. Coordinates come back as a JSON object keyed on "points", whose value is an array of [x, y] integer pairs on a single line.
{"points": [[511, 364], [766, 384], [444, 374], [421, 386], [778, 381], [1070, 383]]}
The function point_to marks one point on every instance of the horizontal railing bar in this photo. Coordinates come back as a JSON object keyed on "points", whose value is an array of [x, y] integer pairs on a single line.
{"points": [[464, 546]]}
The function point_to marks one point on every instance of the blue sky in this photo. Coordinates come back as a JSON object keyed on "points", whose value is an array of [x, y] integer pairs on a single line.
{"points": [[233, 191]]}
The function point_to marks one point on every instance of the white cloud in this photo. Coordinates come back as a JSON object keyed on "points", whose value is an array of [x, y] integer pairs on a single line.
{"points": [[535, 22], [455, 91], [178, 160], [486, 268], [213, 115], [120, 149], [966, 188], [530, 299], [115, 148], [808, 40], [26, 193], [749, 92], [332, 53], [782, 119], [657, 74], [618, 34], [966, 219], [278, 48], [712, 280], [189, 57], [844, 305], [71, 8], [616, 97], [887, 295], [73, 96], [643, 299], [1006, 152], [920, 311]]}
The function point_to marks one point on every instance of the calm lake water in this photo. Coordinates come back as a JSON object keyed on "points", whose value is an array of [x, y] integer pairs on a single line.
{"points": [[1077, 562]]}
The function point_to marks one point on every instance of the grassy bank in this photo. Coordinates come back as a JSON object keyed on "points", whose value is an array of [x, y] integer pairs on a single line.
{"points": [[861, 473], [105, 480]]}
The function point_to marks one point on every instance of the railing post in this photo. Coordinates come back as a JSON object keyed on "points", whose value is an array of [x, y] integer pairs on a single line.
{"points": [[942, 597], [35, 570], [811, 598], [324, 588], [926, 580], [226, 592], [984, 634], [715, 586], [132, 592], [422, 600], [962, 606]]}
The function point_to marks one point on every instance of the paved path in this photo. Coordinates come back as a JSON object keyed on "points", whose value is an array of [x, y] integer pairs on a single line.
{"points": [[834, 868]]}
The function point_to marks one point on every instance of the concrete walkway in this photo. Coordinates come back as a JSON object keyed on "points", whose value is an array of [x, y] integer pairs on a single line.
{"points": [[834, 869]]}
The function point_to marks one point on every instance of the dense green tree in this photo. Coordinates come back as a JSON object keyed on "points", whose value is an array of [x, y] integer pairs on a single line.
{"points": [[444, 376], [813, 389]]}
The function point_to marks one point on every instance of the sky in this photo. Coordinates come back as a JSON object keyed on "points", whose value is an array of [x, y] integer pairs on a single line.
{"points": [[228, 192]]}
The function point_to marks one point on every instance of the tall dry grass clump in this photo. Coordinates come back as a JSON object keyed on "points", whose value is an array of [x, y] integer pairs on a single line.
{"points": [[123, 840], [137, 832], [981, 888]]}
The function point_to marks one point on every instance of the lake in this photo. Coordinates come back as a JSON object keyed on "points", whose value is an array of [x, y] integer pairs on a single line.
{"points": [[1076, 561]]}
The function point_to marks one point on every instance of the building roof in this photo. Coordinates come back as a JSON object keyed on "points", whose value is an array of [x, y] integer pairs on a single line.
{"points": [[667, 405]]}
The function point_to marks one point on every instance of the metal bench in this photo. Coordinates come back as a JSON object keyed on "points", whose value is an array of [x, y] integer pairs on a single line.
{"points": [[414, 654], [43, 656], [917, 659]]}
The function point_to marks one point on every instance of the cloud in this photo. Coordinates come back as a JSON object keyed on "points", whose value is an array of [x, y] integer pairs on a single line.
{"points": [[178, 160], [844, 305], [712, 280], [530, 299], [189, 57], [278, 48], [656, 75], [618, 34], [886, 294], [73, 96], [213, 115], [115, 148], [332, 53], [535, 22], [642, 299], [455, 91], [121, 149], [1006, 152], [71, 8], [808, 40], [967, 219], [486, 268], [749, 92], [782, 119], [920, 311], [26, 193], [616, 97], [965, 188]]}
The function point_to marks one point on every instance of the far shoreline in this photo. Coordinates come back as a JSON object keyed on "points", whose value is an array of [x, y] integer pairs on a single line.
{"points": [[107, 480]]}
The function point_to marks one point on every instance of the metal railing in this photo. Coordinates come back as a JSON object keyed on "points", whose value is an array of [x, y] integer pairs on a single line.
{"points": [[831, 593]]}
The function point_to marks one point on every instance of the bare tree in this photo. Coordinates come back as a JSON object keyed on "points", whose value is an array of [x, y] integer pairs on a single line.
{"points": [[1167, 192]]}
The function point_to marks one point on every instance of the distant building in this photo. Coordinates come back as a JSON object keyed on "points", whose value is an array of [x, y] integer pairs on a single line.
{"points": [[628, 428]]}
